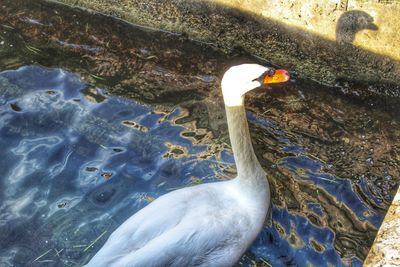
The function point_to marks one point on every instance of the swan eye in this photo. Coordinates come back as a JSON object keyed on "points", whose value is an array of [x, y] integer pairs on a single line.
{"points": [[269, 73]]}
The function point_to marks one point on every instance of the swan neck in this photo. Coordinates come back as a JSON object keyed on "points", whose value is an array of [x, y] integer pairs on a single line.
{"points": [[247, 165]]}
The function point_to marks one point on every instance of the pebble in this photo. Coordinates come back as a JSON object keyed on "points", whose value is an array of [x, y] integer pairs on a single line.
{"points": [[388, 177]]}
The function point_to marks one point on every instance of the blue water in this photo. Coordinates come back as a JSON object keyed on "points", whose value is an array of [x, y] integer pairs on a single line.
{"points": [[74, 167]]}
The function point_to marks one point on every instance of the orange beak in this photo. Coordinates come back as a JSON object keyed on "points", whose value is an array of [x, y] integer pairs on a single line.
{"points": [[280, 76]]}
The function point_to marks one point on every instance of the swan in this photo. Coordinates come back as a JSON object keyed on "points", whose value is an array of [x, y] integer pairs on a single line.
{"points": [[209, 224]]}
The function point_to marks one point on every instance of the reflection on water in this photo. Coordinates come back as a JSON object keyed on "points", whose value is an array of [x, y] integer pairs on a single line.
{"points": [[76, 163], [74, 167]]}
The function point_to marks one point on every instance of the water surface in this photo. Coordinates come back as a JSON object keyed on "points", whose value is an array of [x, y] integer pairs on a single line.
{"points": [[76, 163]]}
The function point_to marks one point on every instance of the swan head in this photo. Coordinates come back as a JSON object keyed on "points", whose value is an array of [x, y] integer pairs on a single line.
{"points": [[238, 80]]}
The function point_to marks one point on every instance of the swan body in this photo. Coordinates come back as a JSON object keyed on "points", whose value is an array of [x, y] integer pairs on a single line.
{"points": [[205, 225]]}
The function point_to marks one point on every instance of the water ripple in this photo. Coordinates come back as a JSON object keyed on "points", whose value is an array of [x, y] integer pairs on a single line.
{"points": [[74, 169]]}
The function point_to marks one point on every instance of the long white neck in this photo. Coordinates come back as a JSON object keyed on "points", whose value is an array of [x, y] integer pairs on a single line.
{"points": [[250, 173], [235, 83]]}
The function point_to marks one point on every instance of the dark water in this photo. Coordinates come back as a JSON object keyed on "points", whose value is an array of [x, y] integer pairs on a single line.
{"points": [[74, 169], [91, 131]]}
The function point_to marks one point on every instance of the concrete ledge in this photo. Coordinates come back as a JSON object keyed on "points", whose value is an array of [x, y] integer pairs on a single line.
{"points": [[330, 42], [386, 248]]}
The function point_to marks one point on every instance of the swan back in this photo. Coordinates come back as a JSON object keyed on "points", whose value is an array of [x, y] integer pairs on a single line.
{"points": [[204, 225]]}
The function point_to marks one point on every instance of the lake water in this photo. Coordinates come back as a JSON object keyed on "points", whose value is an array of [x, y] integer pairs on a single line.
{"points": [[75, 166]]}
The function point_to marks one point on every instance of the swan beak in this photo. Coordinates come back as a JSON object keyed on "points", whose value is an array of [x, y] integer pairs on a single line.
{"points": [[372, 27], [279, 76]]}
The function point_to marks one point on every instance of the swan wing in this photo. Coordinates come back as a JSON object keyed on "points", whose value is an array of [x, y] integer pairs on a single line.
{"points": [[202, 238], [158, 217], [188, 227]]}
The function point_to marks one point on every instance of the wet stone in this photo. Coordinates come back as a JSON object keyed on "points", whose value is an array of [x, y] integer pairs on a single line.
{"points": [[61, 205], [317, 246], [106, 175], [91, 169], [15, 107]]}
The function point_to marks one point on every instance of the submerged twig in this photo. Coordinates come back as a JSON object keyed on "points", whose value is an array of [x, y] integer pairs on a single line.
{"points": [[79, 246], [8, 27], [325, 179], [265, 262], [316, 158], [97, 239], [32, 49], [97, 77], [58, 252], [43, 261], [44, 254]]}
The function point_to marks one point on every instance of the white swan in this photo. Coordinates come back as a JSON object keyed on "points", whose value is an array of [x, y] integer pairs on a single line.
{"points": [[205, 225]]}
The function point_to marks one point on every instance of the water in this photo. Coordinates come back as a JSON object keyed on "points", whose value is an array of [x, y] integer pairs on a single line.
{"points": [[91, 133], [74, 167]]}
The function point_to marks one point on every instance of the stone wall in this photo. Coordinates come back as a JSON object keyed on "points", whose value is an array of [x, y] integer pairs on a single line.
{"points": [[329, 41]]}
